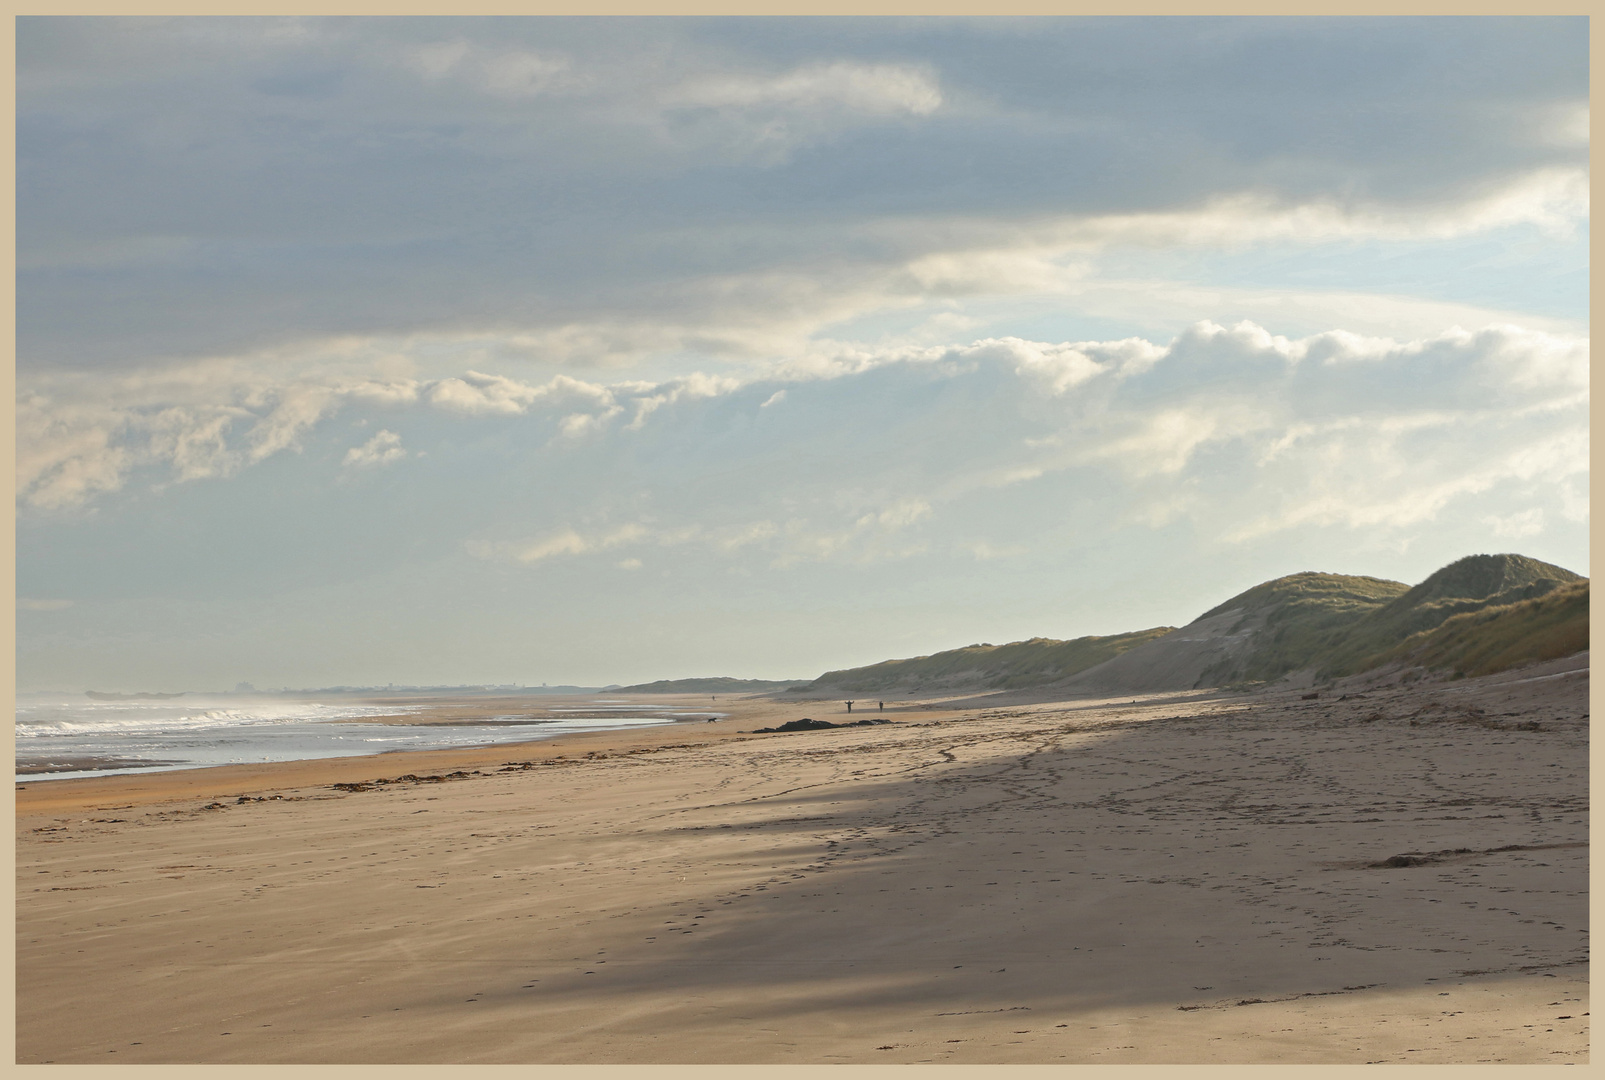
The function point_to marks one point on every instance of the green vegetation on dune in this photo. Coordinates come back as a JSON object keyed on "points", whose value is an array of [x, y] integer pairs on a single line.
{"points": [[1016, 665], [1305, 615], [722, 684], [1466, 585], [1496, 638], [1316, 594], [1479, 614]]}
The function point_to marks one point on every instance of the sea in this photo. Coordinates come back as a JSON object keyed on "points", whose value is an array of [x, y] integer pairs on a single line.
{"points": [[61, 736]]}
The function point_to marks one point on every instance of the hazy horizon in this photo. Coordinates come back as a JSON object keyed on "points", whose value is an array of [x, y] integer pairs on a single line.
{"points": [[602, 351]]}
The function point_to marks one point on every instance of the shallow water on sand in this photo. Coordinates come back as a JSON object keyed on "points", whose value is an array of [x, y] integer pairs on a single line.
{"points": [[59, 737]]}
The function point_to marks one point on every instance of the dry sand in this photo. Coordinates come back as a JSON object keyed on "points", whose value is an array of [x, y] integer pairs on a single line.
{"points": [[1189, 878]]}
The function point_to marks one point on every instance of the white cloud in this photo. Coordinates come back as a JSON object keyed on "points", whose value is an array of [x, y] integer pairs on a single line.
{"points": [[1570, 127], [914, 262], [901, 514], [1401, 490], [930, 264], [984, 551], [970, 254], [884, 453], [1364, 313], [494, 394], [741, 536], [801, 539], [382, 449], [1164, 443], [503, 73], [80, 436], [1055, 368], [66, 453], [870, 537], [1003, 178], [565, 541], [879, 255], [1518, 525], [876, 89], [761, 118]]}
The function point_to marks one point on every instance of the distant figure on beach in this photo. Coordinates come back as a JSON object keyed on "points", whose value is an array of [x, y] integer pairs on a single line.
{"points": [[882, 705], [849, 706]]}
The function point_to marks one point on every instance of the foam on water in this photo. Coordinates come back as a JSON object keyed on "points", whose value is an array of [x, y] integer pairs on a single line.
{"points": [[146, 735], [39, 716]]}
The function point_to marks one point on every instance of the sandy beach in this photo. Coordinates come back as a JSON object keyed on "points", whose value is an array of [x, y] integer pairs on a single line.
{"points": [[1400, 876]]}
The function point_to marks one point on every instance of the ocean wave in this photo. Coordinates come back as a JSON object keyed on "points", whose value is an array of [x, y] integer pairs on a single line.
{"points": [[45, 719]]}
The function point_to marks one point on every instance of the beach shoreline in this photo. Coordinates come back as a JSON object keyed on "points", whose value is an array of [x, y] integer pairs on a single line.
{"points": [[1187, 878], [178, 784]]}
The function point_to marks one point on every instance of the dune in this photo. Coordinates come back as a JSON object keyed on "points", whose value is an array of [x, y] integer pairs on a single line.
{"points": [[1037, 662], [1307, 627], [1327, 626], [1496, 637], [722, 684]]}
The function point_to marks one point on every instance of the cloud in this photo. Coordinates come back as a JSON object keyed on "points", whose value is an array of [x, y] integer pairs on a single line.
{"points": [[1232, 431], [876, 89], [764, 118], [741, 536], [80, 437], [382, 449], [1406, 500], [799, 539], [1055, 368], [475, 393], [913, 263], [1519, 525], [871, 538], [983, 551], [614, 189], [807, 317], [901, 514], [1165, 442], [565, 541], [1565, 124], [1555, 198], [504, 73]]}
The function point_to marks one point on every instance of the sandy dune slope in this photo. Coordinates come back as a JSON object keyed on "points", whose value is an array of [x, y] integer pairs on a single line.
{"points": [[1176, 661]]}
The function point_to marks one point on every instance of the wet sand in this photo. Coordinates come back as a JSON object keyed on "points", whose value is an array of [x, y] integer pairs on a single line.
{"points": [[1401, 877]]}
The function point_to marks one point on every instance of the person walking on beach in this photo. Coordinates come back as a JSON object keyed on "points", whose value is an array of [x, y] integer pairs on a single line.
{"points": [[882, 705], [849, 706]]}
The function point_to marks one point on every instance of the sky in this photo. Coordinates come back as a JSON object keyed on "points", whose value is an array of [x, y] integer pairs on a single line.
{"points": [[590, 351]]}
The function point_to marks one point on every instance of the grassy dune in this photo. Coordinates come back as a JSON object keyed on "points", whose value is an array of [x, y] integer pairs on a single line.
{"points": [[1475, 583], [1305, 617], [1495, 638], [720, 684], [1001, 667], [1329, 624]]}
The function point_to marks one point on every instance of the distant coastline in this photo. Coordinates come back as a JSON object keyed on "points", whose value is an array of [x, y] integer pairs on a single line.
{"points": [[99, 696]]}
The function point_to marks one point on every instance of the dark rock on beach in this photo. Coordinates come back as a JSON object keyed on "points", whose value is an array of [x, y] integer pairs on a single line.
{"points": [[806, 724]]}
